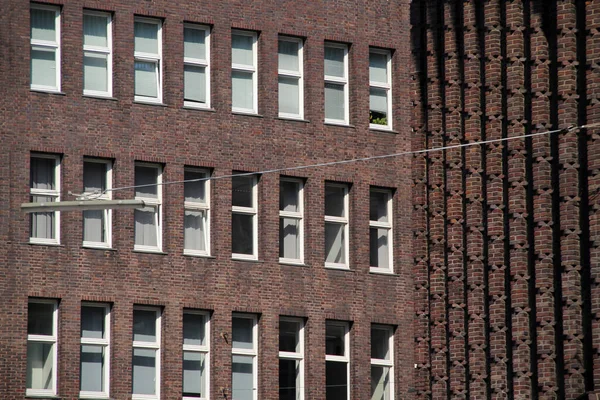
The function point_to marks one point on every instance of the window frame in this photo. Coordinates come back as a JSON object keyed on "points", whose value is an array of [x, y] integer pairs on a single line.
{"points": [[295, 75], [198, 62], [108, 51], [105, 394], [158, 202], [51, 339], [383, 362], [386, 86], [202, 349], [253, 211], [384, 225], [246, 69], [47, 193], [156, 345], [157, 59], [345, 220], [346, 357], [44, 45], [102, 196], [296, 356], [335, 80], [299, 215], [198, 206], [248, 352]]}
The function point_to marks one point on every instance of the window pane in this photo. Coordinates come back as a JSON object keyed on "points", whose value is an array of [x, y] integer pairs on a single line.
{"points": [[242, 329], [378, 106], [193, 329], [380, 383], [146, 37], [195, 191], [378, 67], [289, 380], [194, 83], [43, 223], [92, 322], [194, 374], [145, 227], [146, 176], [335, 251], [95, 31], [194, 43], [334, 102], [40, 364], [289, 95], [288, 56], [93, 226], [92, 371], [242, 90], [195, 230], [241, 49], [95, 72], [336, 380], [380, 343], [43, 25], [42, 173], [334, 62], [144, 325], [289, 196], [144, 371], [379, 248], [334, 201], [289, 335], [40, 319], [146, 79], [378, 206], [94, 177], [242, 191], [334, 339], [242, 234], [289, 238], [242, 378], [43, 67]]}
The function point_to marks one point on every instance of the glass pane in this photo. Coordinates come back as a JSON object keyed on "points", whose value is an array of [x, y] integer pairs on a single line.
{"points": [[334, 102], [242, 336], [380, 343], [378, 206], [193, 329], [42, 173], [288, 56], [289, 336], [95, 72], [43, 25], [194, 43], [146, 79], [144, 371], [242, 191], [289, 95], [241, 49], [335, 242], [242, 378], [40, 319], [92, 322], [94, 177], [289, 238], [290, 386], [335, 336], [289, 196], [92, 371], [43, 223], [334, 201], [195, 230], [334, 62], [195, 191], [146, 176], [146, 37], [194, 374], [336, 380], [380, 383], [242, 234], [378, 106], [144, 325], [43, 67], [242, 90], [379, 248], [40, 365], [194, 78], [94, 226], [378, 67], [145, 228], [95, 30]]}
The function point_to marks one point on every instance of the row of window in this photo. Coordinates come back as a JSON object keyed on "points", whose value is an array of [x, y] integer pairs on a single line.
{"points": [[95, 354], [97, 184], [148, 67]]}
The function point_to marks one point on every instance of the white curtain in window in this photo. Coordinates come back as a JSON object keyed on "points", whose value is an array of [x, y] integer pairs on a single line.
{"points": [[43, 67], [378, 100], [42, 223], [42, 173], [378, 68], [95, 31], [242, 378], [289, 95], [334, 62], [241, 50], [194, 43], [379, 248], [194, 367], [334, 243], [145, 227], [146, 79], [95, 71], [146, 177], [144, 371], [289, 238], [92, 361], [334, 101], [194, 192], [194, 78], [93, 226], [242, 90], [146, 37], [288, 56], [43, 25], [195, 230], [40, 361]]}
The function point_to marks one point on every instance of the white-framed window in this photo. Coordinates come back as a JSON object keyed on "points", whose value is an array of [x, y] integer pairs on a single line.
{"points": [[244, 82], [244, 357], [336, 83], [45, 188], [336, 225], [42, 328], [95, 351], [380, 230], [196, 355], [382, 362], [291, 222], [244, 217], [196, 65], [97, 53], [148, 220], [148, 60], [45, 47], [197, 212], [146, 353], [291, 82], [337, 360], [97, 179], [380, 89], [291, 358]]}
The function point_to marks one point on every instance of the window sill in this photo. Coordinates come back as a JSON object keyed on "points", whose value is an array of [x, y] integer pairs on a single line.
{"points": [[197, 255], [292, 263], [47, 91], [45, 244], [97, 397], [150, 103], [293, 119], [99, 97], [247, 114], [190, 107], [42, 396], [382, 129], [376, 271], [158, 252], [99, 247], [332, 268], [250, 260], [340, 124]]}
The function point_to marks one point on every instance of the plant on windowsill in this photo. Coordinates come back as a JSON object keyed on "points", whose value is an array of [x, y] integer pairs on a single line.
{"points": [[376, 118]]}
